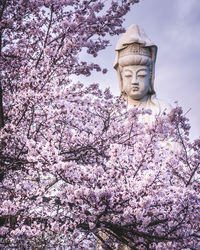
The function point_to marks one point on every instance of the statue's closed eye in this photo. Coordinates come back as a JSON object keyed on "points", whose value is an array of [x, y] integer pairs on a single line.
{"points": [[127, 75], [142, 73]]}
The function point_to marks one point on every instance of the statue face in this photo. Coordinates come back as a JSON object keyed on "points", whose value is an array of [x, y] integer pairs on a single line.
{"points": [[136, 81]]}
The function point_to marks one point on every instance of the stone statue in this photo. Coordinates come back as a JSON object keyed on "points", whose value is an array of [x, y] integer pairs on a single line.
{"points": [[135, 66]]}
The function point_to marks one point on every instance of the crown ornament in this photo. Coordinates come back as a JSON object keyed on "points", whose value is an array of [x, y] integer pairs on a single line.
{"points": [[135, 49]]}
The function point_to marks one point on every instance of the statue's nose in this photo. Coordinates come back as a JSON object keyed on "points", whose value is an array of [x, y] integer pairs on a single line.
{"points": [[135, 80]]}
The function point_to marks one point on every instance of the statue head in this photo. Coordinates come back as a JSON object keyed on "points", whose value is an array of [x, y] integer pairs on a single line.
{"points": [[135, 63]]}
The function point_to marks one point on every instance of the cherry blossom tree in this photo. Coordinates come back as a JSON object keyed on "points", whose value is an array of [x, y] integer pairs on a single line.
{"points": [[76, 167]]}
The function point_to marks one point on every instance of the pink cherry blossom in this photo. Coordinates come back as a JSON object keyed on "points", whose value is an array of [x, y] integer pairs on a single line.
{"points": [[74, 163]]}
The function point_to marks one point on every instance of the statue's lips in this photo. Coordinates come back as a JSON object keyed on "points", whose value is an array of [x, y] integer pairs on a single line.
{"points": [[135, 88]]}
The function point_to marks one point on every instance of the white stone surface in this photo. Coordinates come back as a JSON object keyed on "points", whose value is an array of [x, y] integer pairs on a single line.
{"points": [[135, 64]]}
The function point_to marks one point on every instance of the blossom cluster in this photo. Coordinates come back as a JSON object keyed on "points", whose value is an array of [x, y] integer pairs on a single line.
{"points": [[77, 167], [87, 166]]}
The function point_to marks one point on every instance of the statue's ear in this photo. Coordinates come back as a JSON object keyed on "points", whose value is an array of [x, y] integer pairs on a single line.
{"points": [[122, 87], [120, 68], [119, 75], [151, 91]]}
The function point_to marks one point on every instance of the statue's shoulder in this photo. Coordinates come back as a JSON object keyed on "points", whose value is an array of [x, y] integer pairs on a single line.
{"points": [[164, 107]]}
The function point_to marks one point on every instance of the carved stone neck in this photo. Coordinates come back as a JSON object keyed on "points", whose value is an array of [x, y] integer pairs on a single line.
{"points": [[137, 103]]}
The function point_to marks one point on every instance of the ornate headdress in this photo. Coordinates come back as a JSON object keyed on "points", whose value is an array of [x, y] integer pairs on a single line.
{"points": [[135, 49], [134, 41]]}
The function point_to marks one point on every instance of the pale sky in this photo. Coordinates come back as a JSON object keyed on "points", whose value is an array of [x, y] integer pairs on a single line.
{"points": [[174, 26]]}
